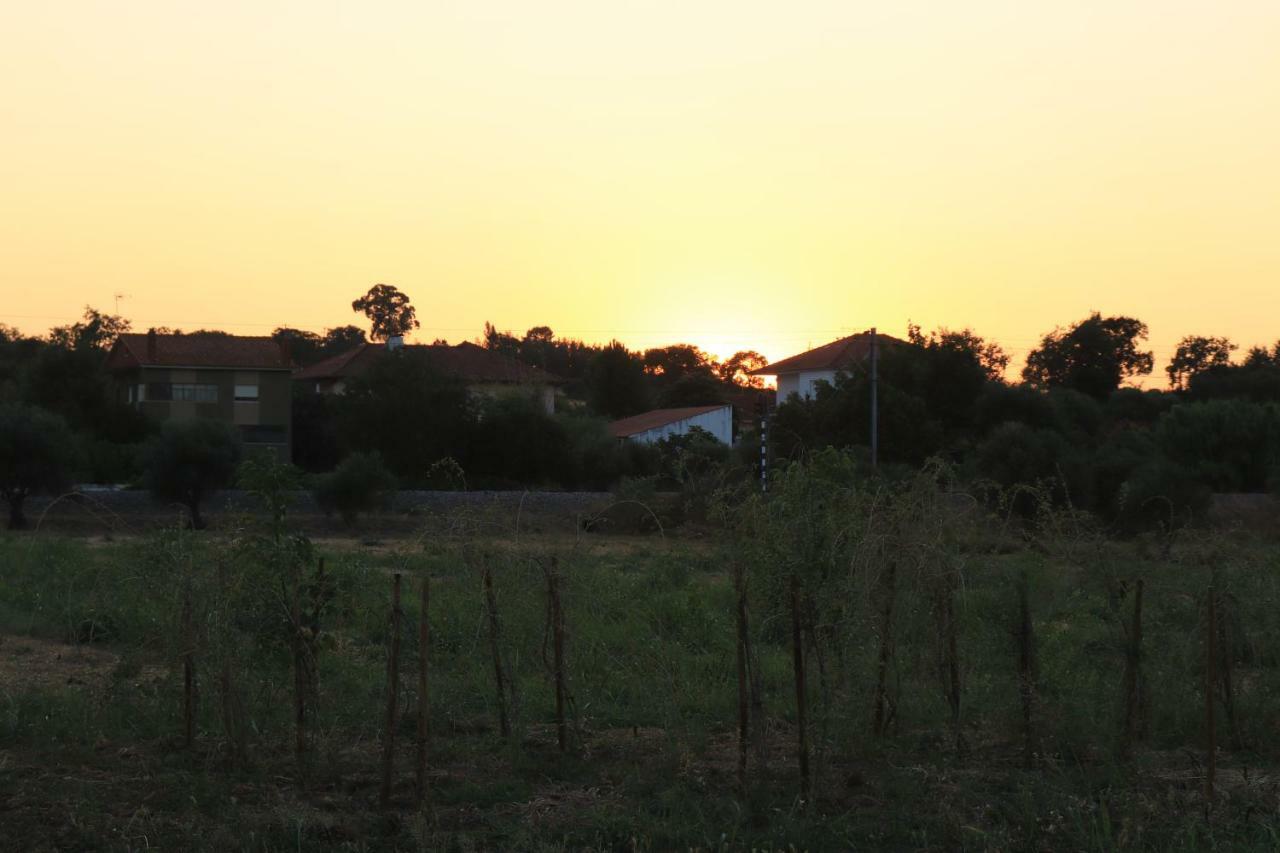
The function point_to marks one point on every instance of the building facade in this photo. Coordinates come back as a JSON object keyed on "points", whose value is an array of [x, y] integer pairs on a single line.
{"points": [[659, 424], [241, 381], [801, 374]]}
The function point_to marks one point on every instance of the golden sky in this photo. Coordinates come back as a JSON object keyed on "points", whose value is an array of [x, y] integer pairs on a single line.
{"points": [[731, 174]]}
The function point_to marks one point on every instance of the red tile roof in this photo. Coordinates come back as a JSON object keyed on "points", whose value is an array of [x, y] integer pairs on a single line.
{"points": [[832, 356], [466, 361], [197, 350], [646, 421]]}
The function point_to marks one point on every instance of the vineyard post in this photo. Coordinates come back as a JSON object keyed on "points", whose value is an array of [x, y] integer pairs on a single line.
{"points": [[797, 647], [1133, 685], [889, 588], [393, 678], [1026, 668], [188, 668], [299, 670], [424, 646], [1210, 685], [744, 713], [500, 681], [557, 632]]}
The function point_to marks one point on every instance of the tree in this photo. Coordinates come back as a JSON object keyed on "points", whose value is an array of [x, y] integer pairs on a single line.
{"points": [[190, 459], [95, 331], [339, 339], [616, 382], [389, 312], [669, 363], [358, 485], [37, 452], [304, 346], [693, 389], [500, 342], [1094, 356], [403, 408], [736, 370], [1196, 354]]}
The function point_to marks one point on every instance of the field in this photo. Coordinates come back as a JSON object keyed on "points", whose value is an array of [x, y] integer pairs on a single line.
{"points": [[986, 692]]}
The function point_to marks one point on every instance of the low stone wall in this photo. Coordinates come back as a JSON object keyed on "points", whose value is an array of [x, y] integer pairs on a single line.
{"points": [[109, 509]]}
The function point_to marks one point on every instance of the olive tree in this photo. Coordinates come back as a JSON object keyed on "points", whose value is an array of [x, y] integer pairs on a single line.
{"points": [[37, 452], [190, 459]]}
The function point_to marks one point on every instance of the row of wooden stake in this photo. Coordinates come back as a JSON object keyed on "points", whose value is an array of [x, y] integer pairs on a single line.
{"points": [[1217, 674]]}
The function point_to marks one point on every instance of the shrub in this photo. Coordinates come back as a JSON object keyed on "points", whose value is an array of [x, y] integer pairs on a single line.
{"points": [[357, 485], [37, 452], [189, 460], [1231, 445], [1160, 493]]}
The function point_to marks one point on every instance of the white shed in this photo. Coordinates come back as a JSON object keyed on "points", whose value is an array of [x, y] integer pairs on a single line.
{"points": [[664, 423]]}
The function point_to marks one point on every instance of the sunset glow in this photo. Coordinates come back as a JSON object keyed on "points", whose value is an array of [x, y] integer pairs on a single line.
{"points": [[731, 175]]}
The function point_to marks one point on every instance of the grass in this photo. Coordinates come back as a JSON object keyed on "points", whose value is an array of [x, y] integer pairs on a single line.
{"points": [[91, 756]]}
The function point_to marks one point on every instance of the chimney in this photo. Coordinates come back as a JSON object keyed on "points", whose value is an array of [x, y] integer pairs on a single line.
{"points": [[151, 346], [286, 352], [395, 342]]}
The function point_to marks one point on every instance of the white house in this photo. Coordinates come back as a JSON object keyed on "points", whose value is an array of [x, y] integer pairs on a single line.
{"points": [[664, 423], [799, 374]]}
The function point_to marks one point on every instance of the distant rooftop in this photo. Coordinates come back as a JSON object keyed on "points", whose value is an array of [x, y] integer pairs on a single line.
{"points": [[832, 356], [646, 421], [467, 361], [197, 350]]}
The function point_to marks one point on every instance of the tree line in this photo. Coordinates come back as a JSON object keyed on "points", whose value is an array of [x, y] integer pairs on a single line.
{"points": [[1069, 421]]}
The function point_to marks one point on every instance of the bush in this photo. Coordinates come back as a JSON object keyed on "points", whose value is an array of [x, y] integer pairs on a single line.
{"points": [[1160, 493], [189, 460], [1231, 445], [358, 485], [37, 452]]}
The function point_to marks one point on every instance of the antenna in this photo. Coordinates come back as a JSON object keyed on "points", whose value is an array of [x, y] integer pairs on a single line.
{"points": [[120, 296]]}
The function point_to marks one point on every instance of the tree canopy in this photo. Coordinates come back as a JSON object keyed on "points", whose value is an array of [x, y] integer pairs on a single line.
{"points": [[37, 453], [389, 311], [1093, 356]]}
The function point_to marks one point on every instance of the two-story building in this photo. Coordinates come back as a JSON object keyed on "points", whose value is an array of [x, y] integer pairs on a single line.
{"points": [[800, 374], [484, 372], [243, 381]]}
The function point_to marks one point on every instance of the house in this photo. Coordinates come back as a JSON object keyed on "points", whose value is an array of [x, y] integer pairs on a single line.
{"points": [[242, 381], [483, 371], [799, 374], [658, 424]]}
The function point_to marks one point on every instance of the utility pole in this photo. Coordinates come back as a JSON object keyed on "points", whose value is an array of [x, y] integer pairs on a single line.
{"points": [[764, 447], [875, 405]]}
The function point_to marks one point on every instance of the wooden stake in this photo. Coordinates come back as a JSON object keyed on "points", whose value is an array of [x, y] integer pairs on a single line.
{"points": [[299, 673], [1133, 682], [881, 712], [393, 683], [797, 648], [188, 670], [744, 690], [557, 637], [1026, 669], [500, 681], [424, 648], [1211, 681]]}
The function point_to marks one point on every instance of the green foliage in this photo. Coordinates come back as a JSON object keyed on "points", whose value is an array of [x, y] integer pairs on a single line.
{"points": [[389, 311], [408, 412], [615, 383], [37, 454], [1230, 445], [189, 459], [1092, 356], [359, 484], [1195, 355]]}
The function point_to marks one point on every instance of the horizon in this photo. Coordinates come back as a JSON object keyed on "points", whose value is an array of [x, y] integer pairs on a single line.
{"points": [[730, 177]]}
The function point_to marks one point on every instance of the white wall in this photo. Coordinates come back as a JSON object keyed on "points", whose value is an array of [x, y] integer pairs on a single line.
{"points": [[718, 422], [802, 383]]}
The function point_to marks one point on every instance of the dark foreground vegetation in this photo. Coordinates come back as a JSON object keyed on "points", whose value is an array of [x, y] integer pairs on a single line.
{"points": [[849, 664]]}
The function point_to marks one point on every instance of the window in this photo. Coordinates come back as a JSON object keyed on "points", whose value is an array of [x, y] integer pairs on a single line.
{"points": [[246, 393], [182, 392], [263, 434]]}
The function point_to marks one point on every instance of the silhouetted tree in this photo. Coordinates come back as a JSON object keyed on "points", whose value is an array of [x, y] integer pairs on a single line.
{"points": [[95, 331], [616, 382], [1196, 354], [359, 484], [692, 389], [389, 312], [736, 369], [1094, 356], [37, 453], [500, 342], [190, 459]]}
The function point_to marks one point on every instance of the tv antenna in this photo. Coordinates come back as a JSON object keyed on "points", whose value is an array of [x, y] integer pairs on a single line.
{"points": [[120, 296]]}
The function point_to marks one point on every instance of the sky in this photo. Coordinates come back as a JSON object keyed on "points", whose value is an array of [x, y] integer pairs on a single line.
{"points": [[729, 174]]}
